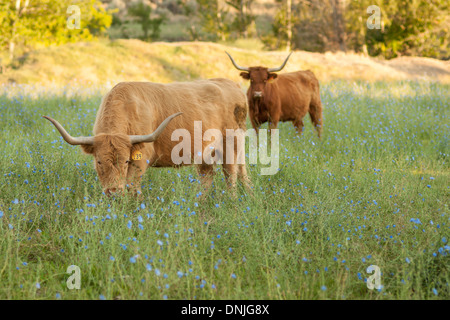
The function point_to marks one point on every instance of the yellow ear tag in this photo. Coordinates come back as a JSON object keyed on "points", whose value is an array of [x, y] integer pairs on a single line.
{"points": [[271, 80], [137, 155]]}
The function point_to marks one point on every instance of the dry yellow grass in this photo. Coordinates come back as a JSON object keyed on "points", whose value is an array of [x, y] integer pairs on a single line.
{"points": [[109, 62]]}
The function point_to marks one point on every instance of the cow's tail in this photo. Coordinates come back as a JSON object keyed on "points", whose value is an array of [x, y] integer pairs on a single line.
{"points": [[240, 115]]}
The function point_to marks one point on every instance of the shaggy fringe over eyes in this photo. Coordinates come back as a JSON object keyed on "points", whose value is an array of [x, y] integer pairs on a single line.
{"points": [[110, 145]]}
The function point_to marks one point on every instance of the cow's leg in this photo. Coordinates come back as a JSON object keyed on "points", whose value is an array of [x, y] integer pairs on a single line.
{"points": [[315, 112], [206, 173], [234, 170], [255, 125], [229, 167], [298, 125], [243, 177], [273, 124], [274, 118], [230, 172]]}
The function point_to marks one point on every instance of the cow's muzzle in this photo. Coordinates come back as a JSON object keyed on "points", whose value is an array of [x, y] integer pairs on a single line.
{"points": [[113, 191], [257, 94]]}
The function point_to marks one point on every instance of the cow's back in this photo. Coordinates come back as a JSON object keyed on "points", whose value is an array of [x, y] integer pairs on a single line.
{"points": [[137, 108], [296, 91]]}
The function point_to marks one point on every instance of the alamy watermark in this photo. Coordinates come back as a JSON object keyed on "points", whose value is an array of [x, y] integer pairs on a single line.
{"points": [[74, 20], [374, 281], [374, 21], [214, 152], [74, 281]]}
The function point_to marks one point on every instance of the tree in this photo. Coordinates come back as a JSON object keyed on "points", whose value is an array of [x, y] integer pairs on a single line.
{"points": [[418, 27], [213, 15], [28, 23], [142, 13], [289, 24], [244, 18], [282, 27], [339, 23]]}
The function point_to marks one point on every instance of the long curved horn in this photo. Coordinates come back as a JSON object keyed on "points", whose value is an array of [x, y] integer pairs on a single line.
{"points": [[153, 136], [69, 139], [280, 67], [236, 65]]}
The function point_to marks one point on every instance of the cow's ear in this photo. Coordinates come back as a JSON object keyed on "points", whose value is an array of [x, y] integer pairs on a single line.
{"points": [[87, 148], [272, 77], [245, 75]]}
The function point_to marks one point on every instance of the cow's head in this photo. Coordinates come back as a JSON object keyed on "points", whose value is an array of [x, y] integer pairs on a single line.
{"points": [[112, 152], [258, 76]]}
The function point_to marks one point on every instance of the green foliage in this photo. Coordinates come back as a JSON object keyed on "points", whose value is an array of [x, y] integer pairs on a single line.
{"points": [[221, 20], [243, 20], [314, 26], [411, 28], [142, 13], [408, 27], [214, 17], [418, 27], [45, 22], [278, 38]]}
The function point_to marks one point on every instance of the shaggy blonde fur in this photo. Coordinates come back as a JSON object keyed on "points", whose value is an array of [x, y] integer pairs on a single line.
{"points": [[138, 108]]}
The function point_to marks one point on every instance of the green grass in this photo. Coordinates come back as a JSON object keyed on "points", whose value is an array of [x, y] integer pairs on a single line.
{"points": [[336, 206]]}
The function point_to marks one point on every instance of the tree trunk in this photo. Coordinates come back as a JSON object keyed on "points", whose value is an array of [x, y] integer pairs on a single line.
{"points": [[289, 24], [12, 44], [339, 24]]}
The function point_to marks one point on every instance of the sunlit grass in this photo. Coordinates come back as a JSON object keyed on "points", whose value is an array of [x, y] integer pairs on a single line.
{"points": [[110, 61]]}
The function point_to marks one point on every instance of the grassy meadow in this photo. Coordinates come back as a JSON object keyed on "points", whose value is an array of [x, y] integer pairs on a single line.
{"points": [[373, 191]]}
